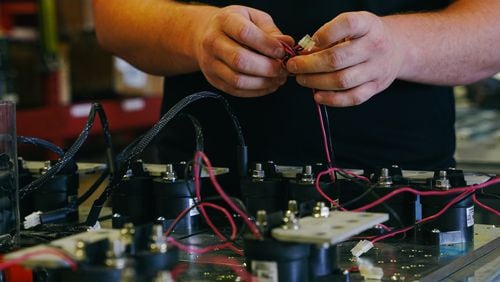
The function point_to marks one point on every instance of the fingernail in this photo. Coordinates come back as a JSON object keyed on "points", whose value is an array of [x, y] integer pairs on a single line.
{"points": [[292, 66]]}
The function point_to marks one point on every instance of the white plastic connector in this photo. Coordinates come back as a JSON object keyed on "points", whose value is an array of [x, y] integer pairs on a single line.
{"points": [[32, 220], [307, 42], [371, 273], [361, 247]]}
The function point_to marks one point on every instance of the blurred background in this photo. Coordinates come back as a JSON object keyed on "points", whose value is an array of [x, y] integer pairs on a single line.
{"points": [[52, 66]]}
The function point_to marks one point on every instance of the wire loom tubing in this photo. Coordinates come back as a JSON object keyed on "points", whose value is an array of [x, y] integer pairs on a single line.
{"points": [[70, 154], [131, 152]]}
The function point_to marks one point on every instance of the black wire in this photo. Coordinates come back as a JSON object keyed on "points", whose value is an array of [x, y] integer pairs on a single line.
{"points": [[196, 205], [326, 121], [208, 199], [41, 143], [132, 152], [391, 211], [358, 198], [71, 152], [200, 146], [91, 190], [415, 225]]}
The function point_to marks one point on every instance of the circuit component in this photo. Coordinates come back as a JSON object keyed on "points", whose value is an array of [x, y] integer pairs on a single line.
{"points": [[307, 42]]}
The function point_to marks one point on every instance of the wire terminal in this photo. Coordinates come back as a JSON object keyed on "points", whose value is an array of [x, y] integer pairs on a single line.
{"points": [[32, 220], [371, 273], [361, 247], [307, 43]]}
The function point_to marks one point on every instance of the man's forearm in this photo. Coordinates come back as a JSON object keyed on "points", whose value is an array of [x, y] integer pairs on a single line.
{"points": [[458, 45], [155, 36]]}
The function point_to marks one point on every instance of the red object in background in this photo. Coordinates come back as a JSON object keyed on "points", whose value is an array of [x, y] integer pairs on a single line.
{"points": [[18, 274], [60, 123], [9, 10]]}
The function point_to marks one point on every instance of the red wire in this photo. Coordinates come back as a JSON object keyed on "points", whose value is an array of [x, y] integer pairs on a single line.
{"points": [[324, 195], [431, 217], [204, 250], [253, 228], [47, 251], [201, 209], [323, 132], [178, 270], [488, 208], [211, 205], [231, 263], [429, 193]]}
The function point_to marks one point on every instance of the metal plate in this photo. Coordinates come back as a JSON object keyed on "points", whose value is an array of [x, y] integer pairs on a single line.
{"points": [[337, 227]]}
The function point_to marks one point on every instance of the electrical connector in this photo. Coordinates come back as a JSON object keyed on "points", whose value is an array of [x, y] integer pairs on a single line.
{"points": [[38, 217], [361, 247], [307, 42], [32, 220], [371, 273]]}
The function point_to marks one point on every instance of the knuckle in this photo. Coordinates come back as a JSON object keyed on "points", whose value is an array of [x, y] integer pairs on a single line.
{"points": [[209, 41], [239, 61], [223, 17], [344, 81], [237, 81], [351, 20], [244, 32], [335, 59], [357, 99]]}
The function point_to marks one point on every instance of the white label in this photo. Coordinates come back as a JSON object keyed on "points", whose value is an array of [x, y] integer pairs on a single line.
{"points": [[194, 211], [81, 110], [132, 77], [131, 105], [470, 216], [265, 271]]}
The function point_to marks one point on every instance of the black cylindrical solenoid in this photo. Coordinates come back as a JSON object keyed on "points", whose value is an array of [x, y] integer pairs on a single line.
{"points": [[171, 197], [263, 189]]}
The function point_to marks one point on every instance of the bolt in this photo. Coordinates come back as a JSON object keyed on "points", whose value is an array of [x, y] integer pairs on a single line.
{"points": [[307, 175], [385, 180], [442, 182], [46, 166], [169, 173], [261, 221], [293, 207], [290, 222], [257, 173], [158, 240]]}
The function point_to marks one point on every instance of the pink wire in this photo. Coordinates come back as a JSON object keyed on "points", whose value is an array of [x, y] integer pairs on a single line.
{"points": [[429, 193], [231, 263], [201, 209], [211, 205], [431, 217], [204, 250], [51, 251], [488, 208], [253, 228], [324, 195], [323, 132]]}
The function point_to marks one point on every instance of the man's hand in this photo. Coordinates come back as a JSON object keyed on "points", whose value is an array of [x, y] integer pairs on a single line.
{"points": [[356, 56], [239, 52]]}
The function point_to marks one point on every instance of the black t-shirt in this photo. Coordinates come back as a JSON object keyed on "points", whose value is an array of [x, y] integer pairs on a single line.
{"points": [[408, 124]]}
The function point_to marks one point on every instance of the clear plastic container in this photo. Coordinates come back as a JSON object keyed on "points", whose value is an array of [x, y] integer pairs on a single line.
{"points": [[9, 190]]}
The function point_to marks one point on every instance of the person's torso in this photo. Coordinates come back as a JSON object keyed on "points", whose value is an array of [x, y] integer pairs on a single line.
{"points": [[407, 124]]}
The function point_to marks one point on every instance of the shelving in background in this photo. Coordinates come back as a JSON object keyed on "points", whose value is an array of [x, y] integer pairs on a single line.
{"points": [[52, 65]]}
